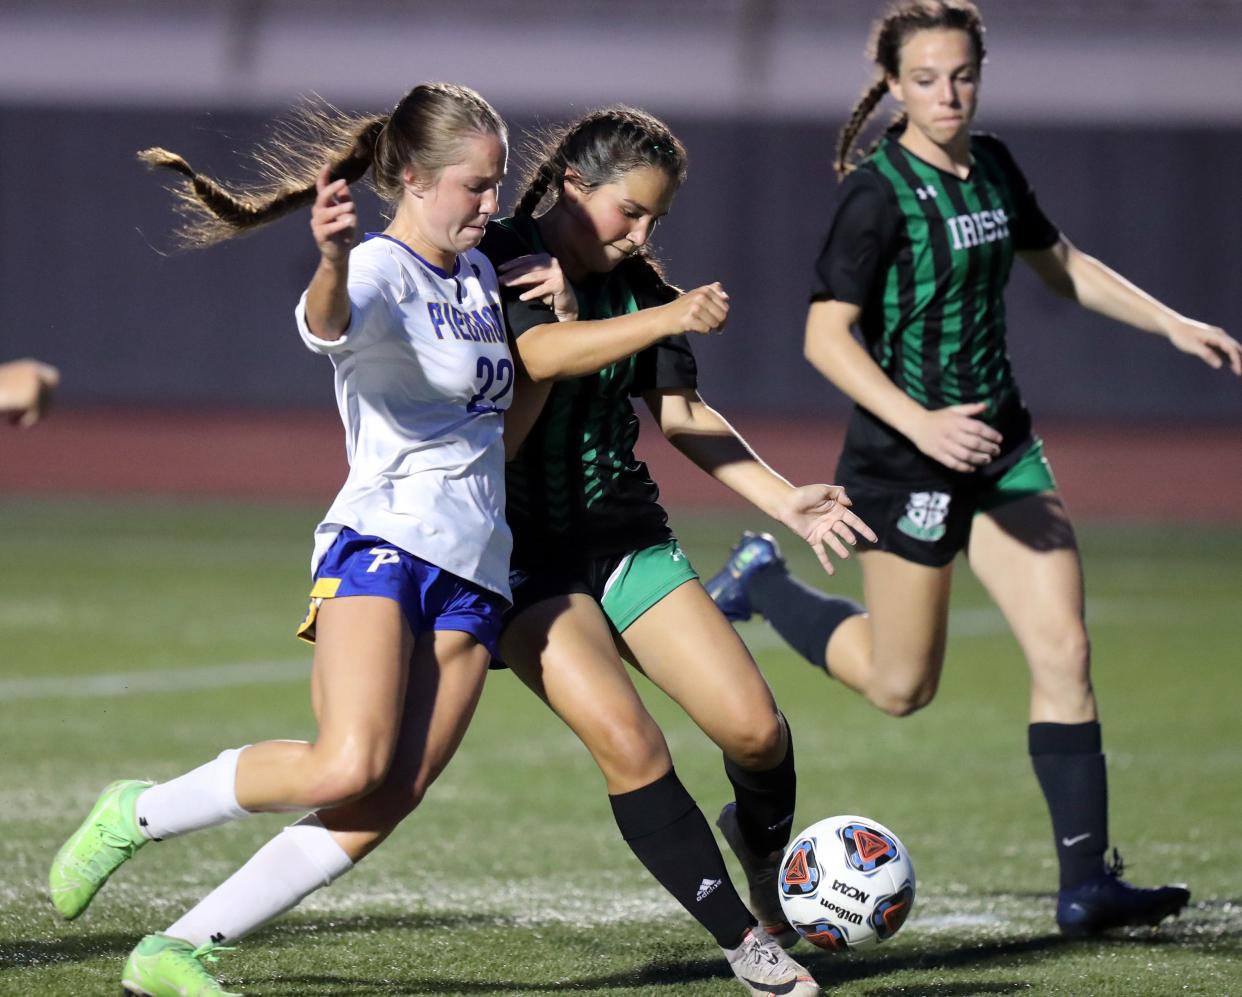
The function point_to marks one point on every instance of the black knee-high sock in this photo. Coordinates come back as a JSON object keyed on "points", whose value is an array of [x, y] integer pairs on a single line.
{"points": [[1070, 769], [803, 616], [765, 800], [666, 830]]}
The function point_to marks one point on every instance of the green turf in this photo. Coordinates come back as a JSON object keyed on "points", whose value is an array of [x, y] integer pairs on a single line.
{"points": [[512, 879]]}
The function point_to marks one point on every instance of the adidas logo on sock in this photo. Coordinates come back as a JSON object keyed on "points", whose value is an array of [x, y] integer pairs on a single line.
{"points": [[217, 938], [707, 888]]}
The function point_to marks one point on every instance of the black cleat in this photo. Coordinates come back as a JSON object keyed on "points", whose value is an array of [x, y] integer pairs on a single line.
{"points": [[1107, 901]]}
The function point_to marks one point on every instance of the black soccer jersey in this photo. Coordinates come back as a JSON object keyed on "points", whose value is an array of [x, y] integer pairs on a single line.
{"points": [[926, 255], [575, 489]]}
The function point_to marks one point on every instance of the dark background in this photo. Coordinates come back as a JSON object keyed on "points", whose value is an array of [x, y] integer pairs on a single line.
{"points": [[1125, 114], [90, 279]]}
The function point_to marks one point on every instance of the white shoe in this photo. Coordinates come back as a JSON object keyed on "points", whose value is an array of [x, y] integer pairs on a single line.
{"points": [[766, 970], [762, 874]]}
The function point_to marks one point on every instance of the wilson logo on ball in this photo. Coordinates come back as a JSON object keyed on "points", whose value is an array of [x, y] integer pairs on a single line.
{"points": [[800, 876], [846, 883], [866, 848]]}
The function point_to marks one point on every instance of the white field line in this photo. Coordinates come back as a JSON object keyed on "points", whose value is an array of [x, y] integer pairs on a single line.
{"points": [[532, 903], [154, 680], [963, 624], [544, 901]]}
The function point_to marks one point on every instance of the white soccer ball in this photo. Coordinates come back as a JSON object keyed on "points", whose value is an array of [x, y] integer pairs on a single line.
{"points": [[847, 882]]}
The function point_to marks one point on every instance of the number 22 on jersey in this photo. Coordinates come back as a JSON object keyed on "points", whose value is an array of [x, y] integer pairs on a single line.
{"points": [[497, 382]]}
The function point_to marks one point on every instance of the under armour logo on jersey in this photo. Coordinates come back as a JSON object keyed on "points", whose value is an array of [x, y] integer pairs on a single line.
{"points": [[707, 888], [924, 193], [382, 555]]}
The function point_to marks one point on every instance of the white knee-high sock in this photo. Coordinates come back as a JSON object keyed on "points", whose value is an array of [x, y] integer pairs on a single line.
{"points": [[295, 863], [203, 797]]}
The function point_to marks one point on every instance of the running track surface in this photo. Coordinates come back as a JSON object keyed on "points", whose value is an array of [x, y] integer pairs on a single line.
{"points": [[1139, 472]]}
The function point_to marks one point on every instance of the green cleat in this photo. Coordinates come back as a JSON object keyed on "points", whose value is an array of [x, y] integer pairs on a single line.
{"points": [[163, 966], [107, 837]]}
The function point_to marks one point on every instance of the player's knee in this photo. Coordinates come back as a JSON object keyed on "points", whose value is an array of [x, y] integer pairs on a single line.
{"points": [[1063, 660], [757, 742], [347, 775], [903, 685], [901, 701], [631, 751]]}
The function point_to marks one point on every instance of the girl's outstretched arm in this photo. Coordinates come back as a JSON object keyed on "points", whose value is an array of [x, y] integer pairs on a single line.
{"points": [[1073, 274], [818, 513]]}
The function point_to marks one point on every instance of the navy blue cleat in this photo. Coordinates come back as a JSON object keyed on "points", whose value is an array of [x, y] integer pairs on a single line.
{"points": [[1107, 901], [728, 586]]}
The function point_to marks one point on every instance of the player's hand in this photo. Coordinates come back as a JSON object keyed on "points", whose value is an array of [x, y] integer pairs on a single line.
{"points": [[26, 388], [544, 281], [1212, 345], [821, 516], [334, 220], [703, 310], [955, 438]]}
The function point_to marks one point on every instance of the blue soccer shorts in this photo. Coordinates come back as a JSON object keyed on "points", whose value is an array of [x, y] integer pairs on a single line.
{"points": [[430, 597]]}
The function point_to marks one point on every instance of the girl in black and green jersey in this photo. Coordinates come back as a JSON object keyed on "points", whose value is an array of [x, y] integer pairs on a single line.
{"points": [[598, 577], [939, 456]]}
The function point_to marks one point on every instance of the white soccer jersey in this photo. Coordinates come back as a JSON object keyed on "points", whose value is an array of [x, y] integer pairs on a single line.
{"points": [[423, 376]]}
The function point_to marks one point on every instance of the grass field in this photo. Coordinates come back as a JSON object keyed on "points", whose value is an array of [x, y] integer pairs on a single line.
{"points": [[139, 639]]}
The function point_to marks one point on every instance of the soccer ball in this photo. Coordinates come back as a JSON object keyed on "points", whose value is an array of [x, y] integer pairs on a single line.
{"points": [[847, 882]]}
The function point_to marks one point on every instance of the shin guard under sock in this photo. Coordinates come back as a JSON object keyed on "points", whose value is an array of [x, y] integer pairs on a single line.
{"points": [[203, 797], [667, 832], [1070, 770], [301, 859], [765, 800]]}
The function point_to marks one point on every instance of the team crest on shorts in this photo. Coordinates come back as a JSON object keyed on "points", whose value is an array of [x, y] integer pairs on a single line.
{"points": [[925, 516]]}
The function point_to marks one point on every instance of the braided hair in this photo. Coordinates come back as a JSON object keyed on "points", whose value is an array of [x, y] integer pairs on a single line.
{"points": [[888, 35], [423, 132], [601, 148]]}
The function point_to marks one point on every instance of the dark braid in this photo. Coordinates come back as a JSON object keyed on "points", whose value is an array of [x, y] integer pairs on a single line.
{"points": [[888, 36], [867, 104], [601, 148], [423, 132], [543, 179]]}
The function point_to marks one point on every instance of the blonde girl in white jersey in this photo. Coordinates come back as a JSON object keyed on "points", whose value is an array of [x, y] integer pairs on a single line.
{"points": [[411, 560]]}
